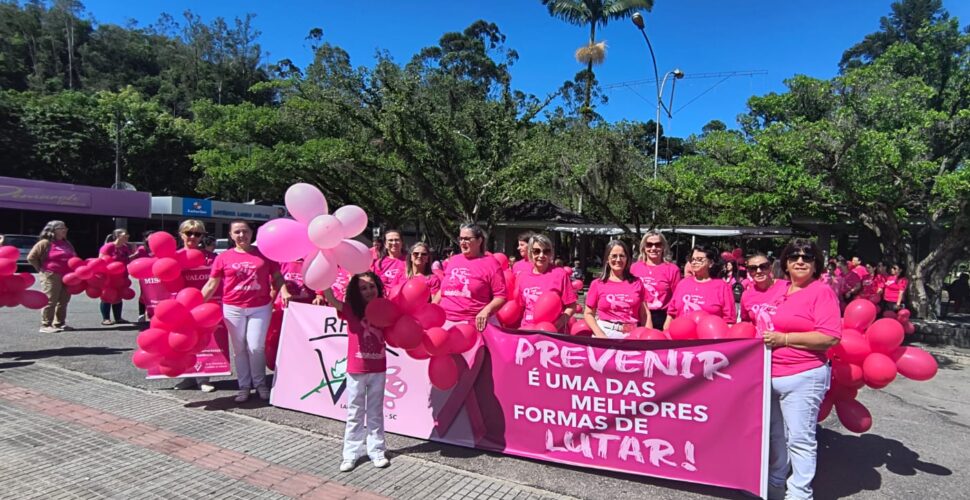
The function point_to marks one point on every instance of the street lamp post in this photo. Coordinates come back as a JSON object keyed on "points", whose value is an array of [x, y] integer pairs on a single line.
{"points": [[118, 128], [677, 74]]}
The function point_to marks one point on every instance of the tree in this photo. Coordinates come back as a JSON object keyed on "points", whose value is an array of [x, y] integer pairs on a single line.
{"points": [[593, 13]]}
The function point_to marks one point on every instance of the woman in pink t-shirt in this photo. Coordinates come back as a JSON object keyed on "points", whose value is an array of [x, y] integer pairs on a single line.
{"points": [[115, 248], [473, 287], [894, 288], [192, 232], [246, 278], [616, 301], [543, 277], [658, 275], [806, 324], [523, 265], [704, 290], [419, 264], [758, 302], [49, 256], [391, 266]]}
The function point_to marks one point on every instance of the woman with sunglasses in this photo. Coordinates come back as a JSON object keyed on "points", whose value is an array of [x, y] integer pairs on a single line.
{"points": [[703, 290], [419, 264], [542, 278], [391, 265], [806, 323], [192, 233], [473, 288], [758, 302], [894, 288], [615, 302], [658, 275]]}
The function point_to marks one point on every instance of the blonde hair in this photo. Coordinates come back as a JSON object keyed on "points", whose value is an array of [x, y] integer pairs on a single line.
{"points": [[543, 242], [192, 225], [643, 243]]}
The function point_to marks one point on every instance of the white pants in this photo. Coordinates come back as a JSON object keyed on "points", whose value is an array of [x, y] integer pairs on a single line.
{"points": [[609, 329], [247, 328], [795, 403], [365, 399]]}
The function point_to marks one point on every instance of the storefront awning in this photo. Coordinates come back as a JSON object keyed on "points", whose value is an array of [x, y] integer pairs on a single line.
{"points": [[55, 197]]}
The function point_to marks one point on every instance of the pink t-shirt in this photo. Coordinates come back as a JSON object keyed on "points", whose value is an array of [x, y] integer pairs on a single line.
{"points": [[365, 345], [658, 281], [893, 287], [391, 271], [119, 253], [815, 308], [246, 277], [339, 285], [521, 267], [849, 281], [530, 286], [469, 285], [871, 285], [61, 251], [293, 278], [713, 296], [758, 306], [616, 301]]}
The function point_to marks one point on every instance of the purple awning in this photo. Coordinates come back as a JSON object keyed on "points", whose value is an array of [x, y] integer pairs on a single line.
{"points": [[23, 194]]}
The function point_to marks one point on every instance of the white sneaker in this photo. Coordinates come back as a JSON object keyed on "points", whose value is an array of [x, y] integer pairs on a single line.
{"points": [[48, 329], [185, 384], [242, 396], [347, 465], [207, 387], [380, 463]]}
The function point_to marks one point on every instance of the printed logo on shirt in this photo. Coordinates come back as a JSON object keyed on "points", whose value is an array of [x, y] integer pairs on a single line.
{"points": [[246, 272], [620, 306], [371, 342], [460, 275], [530, 296], [762, 317], [653, 296], [390, 274], [692, 303]]}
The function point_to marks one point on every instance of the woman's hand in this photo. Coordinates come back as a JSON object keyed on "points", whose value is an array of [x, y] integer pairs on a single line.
{"points": [[318, 300], [285, 296], [481, 319], [775, 339]]}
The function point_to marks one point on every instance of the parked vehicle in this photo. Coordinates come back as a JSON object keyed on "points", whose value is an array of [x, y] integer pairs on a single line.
{"points": [[23, 242]]}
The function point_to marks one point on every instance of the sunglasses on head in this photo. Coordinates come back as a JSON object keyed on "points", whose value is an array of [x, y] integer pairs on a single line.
{"points": [[760, 268], [540, 251], [194, 233], [808, 258]]}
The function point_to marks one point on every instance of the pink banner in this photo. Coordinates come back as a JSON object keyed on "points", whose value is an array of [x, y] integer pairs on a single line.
{"points": [[692, 411]]}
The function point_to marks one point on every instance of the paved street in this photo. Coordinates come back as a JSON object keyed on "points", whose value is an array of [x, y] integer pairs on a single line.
{"points": [[79, 421]]}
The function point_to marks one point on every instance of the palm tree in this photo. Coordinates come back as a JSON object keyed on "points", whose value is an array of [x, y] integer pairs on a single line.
{"points": [[593, 13]]}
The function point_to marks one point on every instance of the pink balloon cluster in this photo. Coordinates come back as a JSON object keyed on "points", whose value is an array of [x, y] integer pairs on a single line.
{"points": [[703, 325], [180, 328], [322, 240], [545, 312], [872, 359], [102, 277], [168, 263], [14, 288], [412, 323]]}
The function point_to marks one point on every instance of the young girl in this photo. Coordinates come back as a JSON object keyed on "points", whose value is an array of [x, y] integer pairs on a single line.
{"points": [[366, 367]]}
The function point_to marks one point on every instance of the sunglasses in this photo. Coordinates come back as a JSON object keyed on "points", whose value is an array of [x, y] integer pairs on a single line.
{"points": [[419, 254], [651, 244], [466, 239], [540, 251], [806, 258], [760, 268], [194, 234], [699, 260]]}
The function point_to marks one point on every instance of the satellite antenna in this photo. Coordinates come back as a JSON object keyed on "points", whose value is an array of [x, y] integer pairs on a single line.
{"points": [[123, 186]]}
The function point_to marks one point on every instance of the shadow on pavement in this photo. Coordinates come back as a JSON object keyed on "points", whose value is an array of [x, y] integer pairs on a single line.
{"points": [[64, 352], [847, 464], [14, 364], [445, 450]]}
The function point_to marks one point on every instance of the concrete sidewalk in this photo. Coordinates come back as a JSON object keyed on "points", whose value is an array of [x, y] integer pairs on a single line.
{"points": [[64, 434]]}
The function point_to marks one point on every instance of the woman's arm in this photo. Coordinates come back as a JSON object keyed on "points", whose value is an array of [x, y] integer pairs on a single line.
{"points": [[37, 253], [210, 288], [589, 315], [436, 298], [567, 313], [482, 317], [279, 286], [809, 341], [333, 300], [646, 319]]}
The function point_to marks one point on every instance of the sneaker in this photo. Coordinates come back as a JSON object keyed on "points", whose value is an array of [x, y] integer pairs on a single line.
{"points": [[242, 396], [380, 463], [347, 465], [207, 387], [185, 384], [263, 392], [48, 329], [107, 322]]}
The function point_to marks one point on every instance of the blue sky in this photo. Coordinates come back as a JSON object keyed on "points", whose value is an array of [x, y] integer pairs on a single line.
{"points": [[778, 38]]}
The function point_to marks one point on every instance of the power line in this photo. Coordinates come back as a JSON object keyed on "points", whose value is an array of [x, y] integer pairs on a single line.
{"points": [[688, 76]]}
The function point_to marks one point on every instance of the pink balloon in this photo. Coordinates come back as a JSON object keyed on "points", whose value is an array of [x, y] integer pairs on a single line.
{"points": [[742, 330], [502, 259], [352, 219], [353, 256], [406, 332], [141, 268], [172, 313], [545, 326], [175, 285], [418, 352], [93, 292], [878, 370], [909, 328], [381, 312], [128, 294], [189, 297], [683, 328], [304, 202], [192, 258], [859, 314], [72, 279], [325, 231], [513, 291], [183, 341], [577, 285], [173, 366], [8, 266], [166, 268], [77, 288], [903, 315], [696, 316], [712, 327], [443, 372], [853, 348], [206, 315], [889, 314], [644, 333], [580, 329], [435, 341], [415, 293], [153, 340], [9, 299], [284, 240], [144, 360], [28, 279], [110, 295], [320, 272], [162, 244], [84, 273], [430, 316], [885, 335], [854, 415], [9, 252], [33, 299], [74, 263], [116, 268], [915, 363], [826, 409], [510, 314], [14, 283], [462, 337], [547, 308], [848, 374]]}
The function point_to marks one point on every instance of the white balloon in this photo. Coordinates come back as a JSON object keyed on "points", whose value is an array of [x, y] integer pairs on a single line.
{"points": [[353, 256], [325, 231], [353, 218], [321, 272], [305, 201]]}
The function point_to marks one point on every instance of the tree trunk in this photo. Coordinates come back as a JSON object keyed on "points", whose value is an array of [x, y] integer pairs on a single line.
{"points": [[587, 110]]}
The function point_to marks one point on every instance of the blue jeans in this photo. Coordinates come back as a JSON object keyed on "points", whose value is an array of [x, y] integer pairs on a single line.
{"points": [[795, 403]]}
